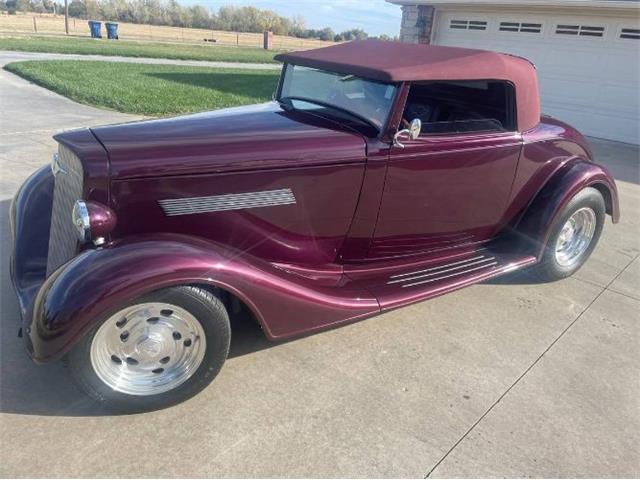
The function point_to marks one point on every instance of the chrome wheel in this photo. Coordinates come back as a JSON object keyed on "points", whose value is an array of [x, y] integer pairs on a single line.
{"points": [[147, 349], [575, 237]]}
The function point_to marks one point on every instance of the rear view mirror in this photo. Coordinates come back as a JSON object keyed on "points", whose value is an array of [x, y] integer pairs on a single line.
{"points": [[412, 132], [415, 128]]}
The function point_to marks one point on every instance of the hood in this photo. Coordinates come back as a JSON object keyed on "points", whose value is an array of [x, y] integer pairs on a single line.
{"points": [[234, 139]]}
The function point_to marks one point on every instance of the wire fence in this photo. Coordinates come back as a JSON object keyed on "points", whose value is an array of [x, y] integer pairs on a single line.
{"points": [[48, 24]]}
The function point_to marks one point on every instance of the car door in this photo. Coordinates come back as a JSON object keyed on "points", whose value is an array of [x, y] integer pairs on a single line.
{"points": [[446, 189]]}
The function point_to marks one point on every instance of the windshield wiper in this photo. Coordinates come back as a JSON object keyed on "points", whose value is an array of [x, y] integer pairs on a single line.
{"points": [[286, 103]]}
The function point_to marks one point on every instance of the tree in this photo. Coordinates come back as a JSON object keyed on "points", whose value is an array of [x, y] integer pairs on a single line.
{"points": [[353, 34], [326, 34], [200, 17], [24, 6], [11, 6], [297, 25], [77, 9], [387, 38], [170, 12]]}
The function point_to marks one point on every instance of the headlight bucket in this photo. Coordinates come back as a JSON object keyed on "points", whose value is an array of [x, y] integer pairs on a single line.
{"points": [[93, 221], [80, 218]]}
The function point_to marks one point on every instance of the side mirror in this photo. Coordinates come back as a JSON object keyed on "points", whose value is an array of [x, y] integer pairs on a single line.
{"points": [[412, 132]]}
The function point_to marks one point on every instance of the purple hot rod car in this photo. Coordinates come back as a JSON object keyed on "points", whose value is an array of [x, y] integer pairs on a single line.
{"points": [[382, 174]]}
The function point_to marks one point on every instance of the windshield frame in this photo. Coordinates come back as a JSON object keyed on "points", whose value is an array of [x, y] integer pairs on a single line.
{"points": [[380, 129]]}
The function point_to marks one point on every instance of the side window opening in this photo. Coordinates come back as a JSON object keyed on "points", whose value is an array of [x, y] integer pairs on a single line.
{"points": [[461, 106]]}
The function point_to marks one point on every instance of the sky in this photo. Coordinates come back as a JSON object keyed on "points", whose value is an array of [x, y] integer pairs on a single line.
{"points": [[374, 16]]}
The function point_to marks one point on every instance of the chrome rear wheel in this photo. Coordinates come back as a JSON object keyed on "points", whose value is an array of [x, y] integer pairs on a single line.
{"points": [[575, 237], [148, 348]]}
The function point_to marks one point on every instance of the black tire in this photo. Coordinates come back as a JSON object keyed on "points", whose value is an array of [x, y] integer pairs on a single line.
{"points": [[549, 269], [212, 316]]}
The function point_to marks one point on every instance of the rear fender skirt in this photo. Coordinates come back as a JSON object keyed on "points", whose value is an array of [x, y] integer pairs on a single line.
{"points": [[99, 282], [538, 221]]}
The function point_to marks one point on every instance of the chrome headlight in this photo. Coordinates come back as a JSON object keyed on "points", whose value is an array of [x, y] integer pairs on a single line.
{"points": [[81, 221]]}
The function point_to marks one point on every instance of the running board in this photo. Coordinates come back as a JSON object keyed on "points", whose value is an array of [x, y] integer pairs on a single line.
{"points": [[442, 272], [400, 288]]}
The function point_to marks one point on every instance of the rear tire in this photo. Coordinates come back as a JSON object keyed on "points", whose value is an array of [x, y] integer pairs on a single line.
{"points": [[573, 237], [154, 352]]}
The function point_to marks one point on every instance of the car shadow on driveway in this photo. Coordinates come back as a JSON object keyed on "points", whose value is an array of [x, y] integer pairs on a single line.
{"points": [[524, 277], [27, 388], [30, 389]]}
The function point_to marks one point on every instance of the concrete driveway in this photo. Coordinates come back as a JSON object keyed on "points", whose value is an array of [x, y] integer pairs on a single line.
{"points": [[503, 379]]}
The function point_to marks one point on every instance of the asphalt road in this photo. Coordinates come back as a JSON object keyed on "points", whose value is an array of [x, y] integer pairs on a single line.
{"points": [[502, 379]]}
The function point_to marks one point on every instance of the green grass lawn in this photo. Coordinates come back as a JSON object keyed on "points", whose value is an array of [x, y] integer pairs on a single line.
{"points": [[152, 90], [121, 48]]}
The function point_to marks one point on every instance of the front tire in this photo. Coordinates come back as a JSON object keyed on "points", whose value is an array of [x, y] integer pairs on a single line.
{"points": [[574, 236], [157, 351]]}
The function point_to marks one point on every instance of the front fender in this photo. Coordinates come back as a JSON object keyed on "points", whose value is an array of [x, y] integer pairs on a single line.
{"points": [[538, 221], [99, 282]]}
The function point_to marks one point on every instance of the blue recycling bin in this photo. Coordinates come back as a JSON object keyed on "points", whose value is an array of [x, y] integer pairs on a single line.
{"points": [[112, 30], [95, 28]]}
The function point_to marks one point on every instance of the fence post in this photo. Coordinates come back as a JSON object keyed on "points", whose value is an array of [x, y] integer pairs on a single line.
{"points": [[35, 26], [237, 39], [267, 42], [66, 18]]}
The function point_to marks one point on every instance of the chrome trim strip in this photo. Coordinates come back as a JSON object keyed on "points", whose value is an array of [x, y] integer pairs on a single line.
{"points": [[493, 264], [424, 275], [440, 267], [228, 202]]}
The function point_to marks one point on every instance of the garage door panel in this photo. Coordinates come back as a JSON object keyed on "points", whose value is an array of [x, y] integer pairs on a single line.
{"points": [[562, 59], [601, 126], [591, 82], [565, 91], [621, 65], [624, 100]]}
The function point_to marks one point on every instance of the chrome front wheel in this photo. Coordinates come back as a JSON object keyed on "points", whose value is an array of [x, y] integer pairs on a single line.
{"points": [[154, 352], [148, 348]]}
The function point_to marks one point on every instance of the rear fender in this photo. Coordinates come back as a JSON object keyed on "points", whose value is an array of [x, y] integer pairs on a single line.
{"points": [[99, 282], [538, 221]]}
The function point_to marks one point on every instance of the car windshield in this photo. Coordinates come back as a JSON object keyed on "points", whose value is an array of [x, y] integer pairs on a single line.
{"points": [[313, 89]]}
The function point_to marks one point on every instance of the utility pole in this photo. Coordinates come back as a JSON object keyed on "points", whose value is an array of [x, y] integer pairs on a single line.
{"points": [[66, 16]]}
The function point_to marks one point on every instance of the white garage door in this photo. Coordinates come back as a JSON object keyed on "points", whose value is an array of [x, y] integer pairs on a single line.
{"points": [[587, 65]]}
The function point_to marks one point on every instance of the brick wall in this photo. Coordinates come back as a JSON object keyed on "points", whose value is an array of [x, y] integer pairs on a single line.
{"points": [[417, 22]]}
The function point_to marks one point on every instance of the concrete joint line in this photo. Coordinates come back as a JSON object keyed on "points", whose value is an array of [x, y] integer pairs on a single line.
{"points": [[528, 369]]}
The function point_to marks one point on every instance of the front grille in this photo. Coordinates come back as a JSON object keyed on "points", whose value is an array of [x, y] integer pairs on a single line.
{"points": [[63, 240]]}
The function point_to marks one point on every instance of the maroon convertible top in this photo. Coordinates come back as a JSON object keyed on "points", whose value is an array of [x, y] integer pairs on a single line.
{"points": [[404, 62]]}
